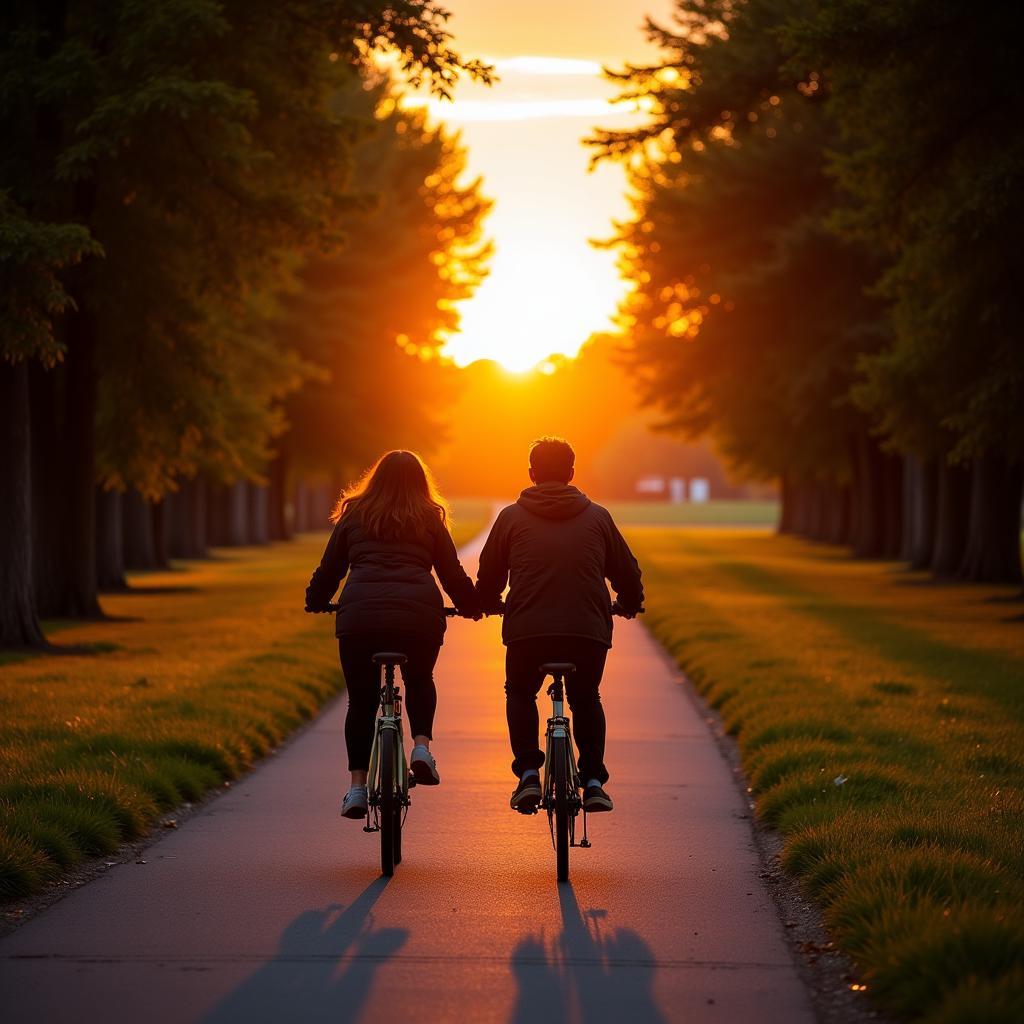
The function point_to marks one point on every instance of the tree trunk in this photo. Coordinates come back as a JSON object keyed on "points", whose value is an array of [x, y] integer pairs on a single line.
{"points": [[815, 510], [837, 524], [919, 513], [228, 514], [786, 510], [109, 541], [49, 542], [992, 553], [911, 483], [160, 528], [63, 415], [19, 625], [867, 495], [81, 599], [953, 507], [258, 496], [186, 520], [892, 504], [302, 503], [137, 522], [216, 515], [238, 514], [278, 525]]}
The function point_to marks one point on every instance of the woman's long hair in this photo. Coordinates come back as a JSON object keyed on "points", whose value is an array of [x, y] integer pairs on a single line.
{"points": [[396, 499]]}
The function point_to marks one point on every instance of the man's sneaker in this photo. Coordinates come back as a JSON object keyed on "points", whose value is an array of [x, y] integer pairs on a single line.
{"points": [[354, 804], [596, 800], [527, 794], [423, 767]]}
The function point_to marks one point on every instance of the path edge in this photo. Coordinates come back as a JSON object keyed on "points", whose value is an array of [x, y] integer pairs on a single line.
{"points": [[826, 972]]}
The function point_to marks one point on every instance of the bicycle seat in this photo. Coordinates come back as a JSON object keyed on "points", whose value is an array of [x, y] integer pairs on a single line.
{"points": [[389, 658], [558, 668]]}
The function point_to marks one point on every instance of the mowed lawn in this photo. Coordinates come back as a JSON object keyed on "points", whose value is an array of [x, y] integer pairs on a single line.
{"points": [[880, 718], [714, 513], [197, 673]]}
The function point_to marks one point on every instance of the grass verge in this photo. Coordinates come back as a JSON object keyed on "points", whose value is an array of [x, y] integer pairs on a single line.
{"points": [[880, 719], [197, 674], [713, 513]]}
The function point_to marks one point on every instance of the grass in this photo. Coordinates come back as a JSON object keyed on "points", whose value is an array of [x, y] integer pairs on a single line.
{"points": [[197, 674], [880, 718], [715, 513]]}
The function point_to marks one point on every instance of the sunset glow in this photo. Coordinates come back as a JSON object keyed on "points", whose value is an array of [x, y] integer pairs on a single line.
{"points": [[549, 289]]}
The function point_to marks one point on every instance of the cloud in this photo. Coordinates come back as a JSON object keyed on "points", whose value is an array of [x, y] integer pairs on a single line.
{"points": [[528, 65], [463, 111]]}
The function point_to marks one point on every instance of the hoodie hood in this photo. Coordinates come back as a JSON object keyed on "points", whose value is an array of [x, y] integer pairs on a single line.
{"points": [[554, 500]]}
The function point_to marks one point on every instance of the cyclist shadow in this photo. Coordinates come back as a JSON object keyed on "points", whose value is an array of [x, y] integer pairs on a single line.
{"points": [[323, 968], [586, 974]]}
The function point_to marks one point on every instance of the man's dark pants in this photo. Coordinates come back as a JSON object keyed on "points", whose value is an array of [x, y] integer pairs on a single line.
{"points": [[523, 679]]}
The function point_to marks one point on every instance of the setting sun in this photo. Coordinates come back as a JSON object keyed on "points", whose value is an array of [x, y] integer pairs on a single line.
{"points": [[548, 289]]}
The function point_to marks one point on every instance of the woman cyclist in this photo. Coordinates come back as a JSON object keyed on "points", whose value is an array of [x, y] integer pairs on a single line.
{"points": [[390, 530]]}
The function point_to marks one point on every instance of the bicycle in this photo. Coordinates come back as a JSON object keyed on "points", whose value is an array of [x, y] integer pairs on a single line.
{"points": [[388, 778], [560, 779]]}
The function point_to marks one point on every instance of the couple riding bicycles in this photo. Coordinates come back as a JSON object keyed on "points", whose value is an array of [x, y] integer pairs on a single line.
{"points": [[554, 549]]}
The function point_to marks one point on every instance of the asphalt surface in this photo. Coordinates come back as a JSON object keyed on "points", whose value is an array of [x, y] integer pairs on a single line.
{"points": [[267, 906]]}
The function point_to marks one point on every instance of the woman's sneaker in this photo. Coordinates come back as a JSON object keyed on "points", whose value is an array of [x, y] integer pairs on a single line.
{"points": [[354, 804], [423, 767], [527, 794]]}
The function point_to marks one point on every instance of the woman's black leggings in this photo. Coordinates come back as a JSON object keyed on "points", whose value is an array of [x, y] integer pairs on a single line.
{"points": [[362, 679]]}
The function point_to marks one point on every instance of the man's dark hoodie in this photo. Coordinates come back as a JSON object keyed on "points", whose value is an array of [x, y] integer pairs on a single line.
{"points": [[555, 548]]}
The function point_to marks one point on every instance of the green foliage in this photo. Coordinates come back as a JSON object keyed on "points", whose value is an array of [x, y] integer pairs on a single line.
{"points": [[31, 293], [373, 315], [926, 95], [747, 316], [199, 142]]}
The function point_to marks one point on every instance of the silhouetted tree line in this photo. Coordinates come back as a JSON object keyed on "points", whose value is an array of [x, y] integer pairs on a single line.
{"points": [[825, 263], [215, 224]]}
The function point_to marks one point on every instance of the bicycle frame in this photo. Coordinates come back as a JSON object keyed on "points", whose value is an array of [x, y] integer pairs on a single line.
{"points": [[390, 718], [558, 727]]}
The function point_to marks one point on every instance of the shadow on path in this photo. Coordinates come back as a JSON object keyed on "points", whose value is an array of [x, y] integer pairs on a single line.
{"points": [[586, 974], [323, 969]]}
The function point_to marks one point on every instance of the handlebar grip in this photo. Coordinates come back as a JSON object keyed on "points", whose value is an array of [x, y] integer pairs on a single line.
{"points": [[617, 610]]}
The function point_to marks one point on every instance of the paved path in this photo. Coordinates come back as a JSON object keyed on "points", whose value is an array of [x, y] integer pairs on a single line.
{"points": [[267, 907]]}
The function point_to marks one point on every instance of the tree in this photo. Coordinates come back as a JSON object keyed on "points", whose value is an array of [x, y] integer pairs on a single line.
{"points": [[748, 316], [924, 94], [196, 141], [31, 294], [373, 316]]}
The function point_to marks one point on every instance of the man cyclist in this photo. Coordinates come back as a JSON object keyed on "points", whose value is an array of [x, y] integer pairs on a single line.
{"points": [[555, 548]]}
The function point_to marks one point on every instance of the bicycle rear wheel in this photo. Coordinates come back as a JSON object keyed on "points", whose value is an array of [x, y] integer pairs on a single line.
{"points": [[399, 812], [388, 803], [560, 764]]}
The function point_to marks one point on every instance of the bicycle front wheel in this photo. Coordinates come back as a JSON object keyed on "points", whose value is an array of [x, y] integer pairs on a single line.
{"points": [[388, 804], [560, 766]]}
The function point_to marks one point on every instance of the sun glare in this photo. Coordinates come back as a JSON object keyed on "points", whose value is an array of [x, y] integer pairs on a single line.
{"points": [[535, 304], [548, 289]]}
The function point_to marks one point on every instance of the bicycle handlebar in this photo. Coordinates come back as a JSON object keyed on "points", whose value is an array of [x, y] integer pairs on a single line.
{"points": [[453, 613]]}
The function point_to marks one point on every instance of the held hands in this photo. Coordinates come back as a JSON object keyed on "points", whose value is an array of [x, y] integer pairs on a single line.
{"points": [[617, 609]]}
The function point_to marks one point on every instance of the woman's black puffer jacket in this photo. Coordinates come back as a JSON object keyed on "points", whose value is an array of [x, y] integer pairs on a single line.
{"points": [[390, 586]]}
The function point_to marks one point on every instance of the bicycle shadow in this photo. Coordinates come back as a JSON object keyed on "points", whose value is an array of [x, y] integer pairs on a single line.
{"points": [[587, 974], [322, 971]]}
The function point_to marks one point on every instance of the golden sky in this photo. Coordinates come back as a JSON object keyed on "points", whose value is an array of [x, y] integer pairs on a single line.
{"points": [[548, 289]]}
